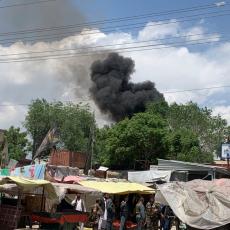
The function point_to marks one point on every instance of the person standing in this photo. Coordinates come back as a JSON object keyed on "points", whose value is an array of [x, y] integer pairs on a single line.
{"points": [[152, 214], [96, 214], [140, 213], [124, 212], [108, 212], [79, 205], [167, 216]]}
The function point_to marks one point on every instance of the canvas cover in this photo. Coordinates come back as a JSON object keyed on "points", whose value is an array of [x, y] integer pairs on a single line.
{"points": [[117, 187], [149, 176], [200, 204], [26, 185]]}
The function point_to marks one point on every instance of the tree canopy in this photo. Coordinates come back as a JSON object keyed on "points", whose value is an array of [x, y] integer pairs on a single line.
{"points": [[74, 122], [181, 132], [18, 143]]}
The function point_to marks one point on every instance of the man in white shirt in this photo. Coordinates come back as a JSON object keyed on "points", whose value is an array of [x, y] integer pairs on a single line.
{"points": [[79, 205]]}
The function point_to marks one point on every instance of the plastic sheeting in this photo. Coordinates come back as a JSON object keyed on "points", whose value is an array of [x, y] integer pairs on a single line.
{"points": [[200, 204], [149, 176], [117, 187]]}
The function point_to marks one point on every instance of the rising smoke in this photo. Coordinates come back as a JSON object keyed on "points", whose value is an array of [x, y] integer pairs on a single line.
{"points": [[113, 91]]}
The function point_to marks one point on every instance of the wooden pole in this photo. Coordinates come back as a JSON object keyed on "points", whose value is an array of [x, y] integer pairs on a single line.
{"points": [[43, 193]]}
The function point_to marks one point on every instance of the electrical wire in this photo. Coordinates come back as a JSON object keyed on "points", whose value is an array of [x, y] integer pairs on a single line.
{"points": [[116, 44], [48, 37], [164, 92], [42, 29], [120, 50], [26, 3]]}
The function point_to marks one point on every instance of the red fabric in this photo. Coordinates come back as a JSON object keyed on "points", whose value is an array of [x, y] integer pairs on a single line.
{"points": [[72, 218], [69, 179], [128, 224]]}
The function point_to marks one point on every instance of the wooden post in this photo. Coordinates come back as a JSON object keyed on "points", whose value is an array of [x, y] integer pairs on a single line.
{"points": [[43, 192]]}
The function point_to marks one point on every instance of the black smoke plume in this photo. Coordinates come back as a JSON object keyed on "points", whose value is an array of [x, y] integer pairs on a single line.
{"points": [[113, 91]]}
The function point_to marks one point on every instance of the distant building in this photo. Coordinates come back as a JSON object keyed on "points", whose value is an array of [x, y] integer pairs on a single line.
{"points": [[186, 171]]}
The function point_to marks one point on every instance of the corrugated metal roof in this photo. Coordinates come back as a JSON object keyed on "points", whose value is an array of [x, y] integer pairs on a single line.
{"points": [[188, 166]]}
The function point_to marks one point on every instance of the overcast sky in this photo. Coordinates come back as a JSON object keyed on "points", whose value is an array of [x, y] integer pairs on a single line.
{"points": [[172, 69]]}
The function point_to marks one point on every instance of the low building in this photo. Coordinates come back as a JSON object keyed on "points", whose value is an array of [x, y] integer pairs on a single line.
{"points": [[186, 171]]}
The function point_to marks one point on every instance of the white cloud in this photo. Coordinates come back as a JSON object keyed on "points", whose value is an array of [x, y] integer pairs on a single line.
{"points": [[171, 69], [158, 30]]}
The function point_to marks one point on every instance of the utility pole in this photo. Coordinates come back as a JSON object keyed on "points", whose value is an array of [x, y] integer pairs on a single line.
{"points": [[92, 140]]}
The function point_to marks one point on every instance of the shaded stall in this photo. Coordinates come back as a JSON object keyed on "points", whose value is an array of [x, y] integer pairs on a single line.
{"points": [[119, 189], [12, 208], [65, 216]]}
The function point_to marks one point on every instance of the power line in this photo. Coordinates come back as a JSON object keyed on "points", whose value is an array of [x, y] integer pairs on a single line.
{"points": [[26, 3], [121, 50], [116, 44], [50, 37], [197, 89], [42, 29], [164, 92]]}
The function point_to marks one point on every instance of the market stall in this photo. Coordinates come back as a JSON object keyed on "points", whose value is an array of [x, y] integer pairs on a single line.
{"points": [[66, 216], [119, 189], [14, 191]]}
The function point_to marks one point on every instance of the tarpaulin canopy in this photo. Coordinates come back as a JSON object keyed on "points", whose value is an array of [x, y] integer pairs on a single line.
{"points": [[117, 187], [149, 176], [62, 189], [26, 185], [199, 203]]}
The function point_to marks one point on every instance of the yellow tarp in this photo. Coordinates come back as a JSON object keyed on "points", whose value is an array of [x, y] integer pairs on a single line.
{"points": [[28, 184], [118, 187]]}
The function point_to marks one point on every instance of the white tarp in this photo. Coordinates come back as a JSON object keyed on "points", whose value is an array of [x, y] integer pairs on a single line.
{"points": [[149, 176], [199, 203]]}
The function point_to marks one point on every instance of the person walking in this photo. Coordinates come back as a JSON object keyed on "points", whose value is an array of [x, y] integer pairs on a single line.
{"points": [[152, 214], [124, 212], [140, 213], [79, 205]]}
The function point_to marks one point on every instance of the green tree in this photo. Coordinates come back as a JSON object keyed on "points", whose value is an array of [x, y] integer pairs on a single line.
{"points": [[18, 143], [75, 123], [138, 138], [184, 145], [209, 129]]}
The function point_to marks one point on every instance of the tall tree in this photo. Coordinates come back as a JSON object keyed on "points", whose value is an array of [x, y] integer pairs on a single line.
{"points": [[18, 143], [74, 123], [209, 129]]}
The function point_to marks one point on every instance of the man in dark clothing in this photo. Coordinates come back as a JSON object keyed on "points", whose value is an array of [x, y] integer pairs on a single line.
{"points": [[140, 214], [108, 212], [124, 212], [167, 216]]}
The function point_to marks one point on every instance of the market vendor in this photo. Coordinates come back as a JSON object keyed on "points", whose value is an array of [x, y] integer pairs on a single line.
{"points": [[79, 205]]}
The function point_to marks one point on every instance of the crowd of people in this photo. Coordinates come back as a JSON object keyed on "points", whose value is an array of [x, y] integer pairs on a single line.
{"points": [[146, 214]]}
